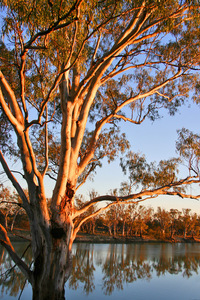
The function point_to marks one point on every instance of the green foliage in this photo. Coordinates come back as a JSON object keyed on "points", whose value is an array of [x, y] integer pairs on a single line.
{"points": [[5, 133], [188, 146], [145, 175]]}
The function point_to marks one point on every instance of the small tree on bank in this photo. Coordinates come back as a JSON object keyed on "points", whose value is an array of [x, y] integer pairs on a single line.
{"points": [[70, 72]]}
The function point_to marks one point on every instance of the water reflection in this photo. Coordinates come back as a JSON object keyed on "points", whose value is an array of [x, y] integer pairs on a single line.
{"points": [[12, 280], [123, 267], [83, 268], [111, 266], [122, 264]]}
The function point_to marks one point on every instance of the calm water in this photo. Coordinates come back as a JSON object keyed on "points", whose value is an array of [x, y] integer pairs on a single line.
{"points": [[115, 271]]}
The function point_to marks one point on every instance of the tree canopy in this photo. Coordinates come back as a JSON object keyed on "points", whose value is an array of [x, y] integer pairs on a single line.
{"points": [[71, 71]]}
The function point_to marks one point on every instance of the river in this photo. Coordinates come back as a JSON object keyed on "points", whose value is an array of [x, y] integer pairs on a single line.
{"points": [[139, 271]]}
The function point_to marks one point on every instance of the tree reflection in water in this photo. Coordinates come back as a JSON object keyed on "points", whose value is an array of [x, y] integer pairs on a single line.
{"points": [[119, 264], [83, 268], [12, 280], [122, 267], [123, 264]]}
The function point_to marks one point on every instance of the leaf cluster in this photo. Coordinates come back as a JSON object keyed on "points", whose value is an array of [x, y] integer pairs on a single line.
{"points": [[188, 147], [146, 175]]}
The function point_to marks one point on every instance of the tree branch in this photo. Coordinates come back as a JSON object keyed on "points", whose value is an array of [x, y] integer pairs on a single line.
{"points": [[15, 184], [22, 83], [55, 26], [77, 228], [130, 120], [15, 116], [19, 262], [46, 145], [163, 190]]}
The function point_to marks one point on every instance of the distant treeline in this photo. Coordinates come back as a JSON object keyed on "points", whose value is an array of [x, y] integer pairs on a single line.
{"points": [[137, 220], [120, 220]]}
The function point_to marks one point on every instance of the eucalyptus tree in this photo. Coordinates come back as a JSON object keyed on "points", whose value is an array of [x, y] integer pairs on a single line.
{"points": [[70, 72], [163, 217]]}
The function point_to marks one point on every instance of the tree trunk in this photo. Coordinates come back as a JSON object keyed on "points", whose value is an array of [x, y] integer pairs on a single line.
{"points": [[110, 230], [50, 277], [114, 229], [93, 228], [163, 232], [52, 269], [123, 229], [172, 232]]}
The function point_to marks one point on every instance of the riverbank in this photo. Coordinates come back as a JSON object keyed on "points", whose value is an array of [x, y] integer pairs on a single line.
{"points": [[89, 238], [21, 235]]}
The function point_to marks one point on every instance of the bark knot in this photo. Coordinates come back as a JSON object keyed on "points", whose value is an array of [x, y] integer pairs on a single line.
{"points": [[57, 232], [65, 204]]}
